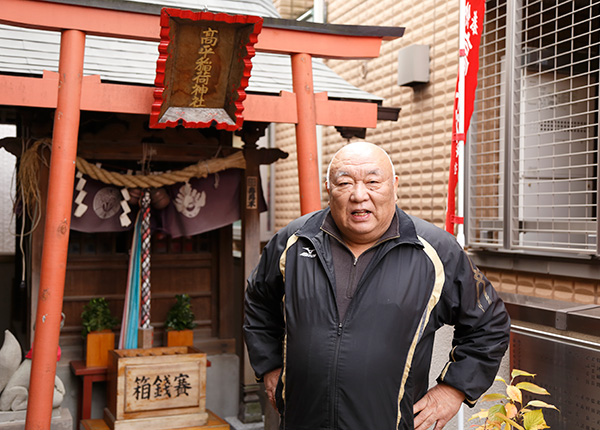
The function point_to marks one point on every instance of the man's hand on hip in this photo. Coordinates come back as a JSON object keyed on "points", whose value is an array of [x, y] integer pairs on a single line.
{"points": [[271, 379], [437, 406]]}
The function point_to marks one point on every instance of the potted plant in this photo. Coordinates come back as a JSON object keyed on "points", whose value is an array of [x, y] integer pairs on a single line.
{"points": [[98, 323], [511, 413], [180, 322]]}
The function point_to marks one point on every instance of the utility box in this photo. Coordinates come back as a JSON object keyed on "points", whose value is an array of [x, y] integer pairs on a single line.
{"points": [[156, 388], [413, 65]]}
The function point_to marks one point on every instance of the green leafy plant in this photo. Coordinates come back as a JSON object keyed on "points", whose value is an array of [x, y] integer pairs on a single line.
{"points": [[96, 316], [180, 316], [511, 413]]}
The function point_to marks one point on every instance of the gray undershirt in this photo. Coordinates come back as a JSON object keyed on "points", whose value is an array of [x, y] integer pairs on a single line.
{"points": [[348, 269]]}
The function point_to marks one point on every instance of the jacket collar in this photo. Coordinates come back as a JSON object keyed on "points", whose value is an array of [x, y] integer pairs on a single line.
{"points": [[406, 231]]}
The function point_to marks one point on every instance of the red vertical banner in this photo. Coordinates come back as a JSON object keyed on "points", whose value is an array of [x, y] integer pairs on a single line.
{"points": [[474, 11]]}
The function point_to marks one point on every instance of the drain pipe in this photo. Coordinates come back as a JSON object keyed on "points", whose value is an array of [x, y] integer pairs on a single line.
{"points": [[56, 233]]}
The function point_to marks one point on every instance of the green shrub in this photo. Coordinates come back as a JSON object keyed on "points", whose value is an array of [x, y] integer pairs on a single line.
{"points": [[180, 316], [96, 316]]}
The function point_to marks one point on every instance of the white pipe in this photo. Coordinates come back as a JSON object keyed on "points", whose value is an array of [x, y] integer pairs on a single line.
{"points": [[460, 210], [319, 11], [460, 234], [319, 16]]}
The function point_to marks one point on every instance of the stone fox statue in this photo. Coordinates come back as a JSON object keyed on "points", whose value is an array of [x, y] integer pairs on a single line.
{"points": [[14, 377]]}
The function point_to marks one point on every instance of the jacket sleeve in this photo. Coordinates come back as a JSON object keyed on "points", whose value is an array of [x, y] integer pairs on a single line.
{"points": [[264, 324], [481, 328]]}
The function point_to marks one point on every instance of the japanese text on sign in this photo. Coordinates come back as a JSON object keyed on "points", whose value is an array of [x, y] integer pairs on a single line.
{"points": [[471, 29], [251, 192], [203, 67], [161, 387]]}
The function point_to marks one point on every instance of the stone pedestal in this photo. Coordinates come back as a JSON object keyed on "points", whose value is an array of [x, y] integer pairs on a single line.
{"points": [[250, 407], [236, 424]]}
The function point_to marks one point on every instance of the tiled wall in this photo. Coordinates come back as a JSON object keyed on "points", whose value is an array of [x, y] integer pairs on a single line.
{"points": [[419, 142], [549, 287]]}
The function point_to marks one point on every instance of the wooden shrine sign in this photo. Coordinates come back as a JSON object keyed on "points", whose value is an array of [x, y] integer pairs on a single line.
{"points": [[203, 69]]}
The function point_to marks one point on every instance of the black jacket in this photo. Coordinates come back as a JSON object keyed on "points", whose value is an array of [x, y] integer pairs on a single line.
{"points": [[366, 371]]}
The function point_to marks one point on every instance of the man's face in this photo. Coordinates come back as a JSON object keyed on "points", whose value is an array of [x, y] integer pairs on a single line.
{"points": [[362, 193]]}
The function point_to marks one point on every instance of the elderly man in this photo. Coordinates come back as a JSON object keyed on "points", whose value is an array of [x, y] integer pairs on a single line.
{"points": [[342, 309]]}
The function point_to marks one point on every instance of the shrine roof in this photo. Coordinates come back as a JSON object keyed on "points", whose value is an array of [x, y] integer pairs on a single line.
{"points": [[264, 8], [25, 51]]}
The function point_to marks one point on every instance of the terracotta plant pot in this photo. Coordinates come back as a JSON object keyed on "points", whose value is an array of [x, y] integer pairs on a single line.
{"points": [[180, 337], [98, 343]]}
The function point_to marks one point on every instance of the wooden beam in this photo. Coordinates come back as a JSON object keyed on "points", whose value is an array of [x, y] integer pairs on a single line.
{"points": [[320, 41], [135, 99], [95, 96], [278, 40], [99, 97], [345, 114], [281, 109], [50, 16], [30, 92]]}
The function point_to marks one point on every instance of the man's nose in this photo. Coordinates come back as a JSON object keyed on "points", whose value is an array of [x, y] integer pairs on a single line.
{"points": [[359, 192]]}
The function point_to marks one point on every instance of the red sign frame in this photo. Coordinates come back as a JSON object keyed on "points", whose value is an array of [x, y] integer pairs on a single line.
{"points": [[203, 69]]}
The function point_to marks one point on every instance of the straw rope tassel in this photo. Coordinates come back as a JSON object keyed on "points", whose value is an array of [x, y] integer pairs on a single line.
{"points": [[145, 207]]}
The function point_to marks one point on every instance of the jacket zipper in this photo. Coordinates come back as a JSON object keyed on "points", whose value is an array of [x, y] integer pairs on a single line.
{"points": [[333, 394], [340, 330], [340, 327], [350, 293]]}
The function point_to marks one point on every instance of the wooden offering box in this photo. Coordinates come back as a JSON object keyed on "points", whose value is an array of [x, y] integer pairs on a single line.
{"points": [[156, 388]]}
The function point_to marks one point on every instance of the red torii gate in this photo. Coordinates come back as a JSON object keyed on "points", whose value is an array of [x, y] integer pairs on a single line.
{"points": [[69, 92]]}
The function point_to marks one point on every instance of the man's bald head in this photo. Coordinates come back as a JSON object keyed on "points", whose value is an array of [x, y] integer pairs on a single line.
{"points": [[362, 187], [358, 147]]}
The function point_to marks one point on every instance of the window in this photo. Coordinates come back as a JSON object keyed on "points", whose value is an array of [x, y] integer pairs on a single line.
{"points": [[533, 147]]}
